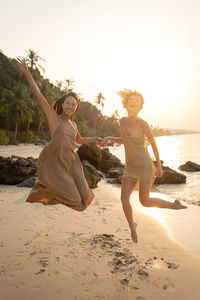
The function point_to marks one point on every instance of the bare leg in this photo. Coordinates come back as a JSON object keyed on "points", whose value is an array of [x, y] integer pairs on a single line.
{"points": [[145, 200], [126, 190]]}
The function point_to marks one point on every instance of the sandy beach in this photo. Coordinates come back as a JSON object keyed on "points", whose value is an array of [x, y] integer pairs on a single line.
{"points": [[52, 252]]}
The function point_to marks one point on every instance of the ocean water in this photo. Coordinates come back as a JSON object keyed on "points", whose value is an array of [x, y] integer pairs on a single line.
{"points": [[175, 151]]}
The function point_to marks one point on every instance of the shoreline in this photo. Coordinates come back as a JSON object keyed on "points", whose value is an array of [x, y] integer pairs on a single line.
{"points": [[180, 225], [167, 215], [55, 252]]}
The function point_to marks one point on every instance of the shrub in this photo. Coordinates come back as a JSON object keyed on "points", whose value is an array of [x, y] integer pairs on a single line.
{"points": [[27, 137], [4, 140]]}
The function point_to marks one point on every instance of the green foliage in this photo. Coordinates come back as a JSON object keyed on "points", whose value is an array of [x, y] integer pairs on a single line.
{"points": [[4, 140], [85, 130], [27, 137], [19, 109]]}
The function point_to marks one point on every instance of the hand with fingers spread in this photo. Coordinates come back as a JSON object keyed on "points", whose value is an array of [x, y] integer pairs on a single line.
{"points": [[21, 62]]}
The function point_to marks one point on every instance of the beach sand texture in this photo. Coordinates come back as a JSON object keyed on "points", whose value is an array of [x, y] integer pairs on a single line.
{"points": [[53, 252]]}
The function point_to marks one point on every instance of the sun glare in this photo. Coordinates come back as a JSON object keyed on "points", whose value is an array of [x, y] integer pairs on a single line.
{"points": [[159, 74], [154, 212], [170, 153]]}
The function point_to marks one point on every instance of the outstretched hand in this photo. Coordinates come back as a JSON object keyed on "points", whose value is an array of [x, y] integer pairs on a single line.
{"points": [[21, 62]]}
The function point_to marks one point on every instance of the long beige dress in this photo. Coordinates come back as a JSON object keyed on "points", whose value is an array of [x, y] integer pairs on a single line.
{"points": [[60, 173], [138, 161]]}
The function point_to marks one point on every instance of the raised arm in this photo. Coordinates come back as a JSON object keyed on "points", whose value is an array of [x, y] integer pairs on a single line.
{"points": [[149, 134], [47, 109]]}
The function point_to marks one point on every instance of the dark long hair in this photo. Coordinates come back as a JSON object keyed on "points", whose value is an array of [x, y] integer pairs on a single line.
{"points": [[57, 106]]}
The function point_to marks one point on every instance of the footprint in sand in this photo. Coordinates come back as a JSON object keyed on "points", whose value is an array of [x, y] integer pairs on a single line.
{"points": [[168, 286], [40, 272], [124, 281], [124, 261], [172, 265], [142, 273], [105, 241], [44, 262]]}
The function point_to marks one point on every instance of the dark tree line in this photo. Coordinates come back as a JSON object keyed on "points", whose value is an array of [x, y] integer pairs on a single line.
{"points": [[20, 113]]}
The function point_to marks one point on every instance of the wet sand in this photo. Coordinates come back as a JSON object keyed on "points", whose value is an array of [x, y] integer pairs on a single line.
{"points": [[57, 253]]}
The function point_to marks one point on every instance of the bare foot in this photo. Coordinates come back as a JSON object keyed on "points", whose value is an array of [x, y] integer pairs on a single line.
{"points": [[178, 205], [133, 233]]}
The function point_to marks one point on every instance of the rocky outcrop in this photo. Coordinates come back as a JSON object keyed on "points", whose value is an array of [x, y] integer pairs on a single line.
{"points": [[16, 169], [101, 159], [28, 182], [91, 174], [190, 166], [21, 171], [170, 177], [91, 153], [108, 161]]}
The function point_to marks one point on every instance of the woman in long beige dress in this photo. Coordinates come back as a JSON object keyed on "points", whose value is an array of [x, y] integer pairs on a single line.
{"points": [[139, 166], [60, 174]]}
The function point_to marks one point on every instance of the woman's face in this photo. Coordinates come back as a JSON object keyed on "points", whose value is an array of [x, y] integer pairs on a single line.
{"points": [[69, 106], [133, 105]]}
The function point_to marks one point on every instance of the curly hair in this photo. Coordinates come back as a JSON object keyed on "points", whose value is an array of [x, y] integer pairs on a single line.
{"points": [[127, 93], [57, 106]]}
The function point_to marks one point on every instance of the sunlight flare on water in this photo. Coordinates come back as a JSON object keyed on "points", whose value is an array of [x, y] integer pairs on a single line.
{"points": [[169, 150], [154, 212]]}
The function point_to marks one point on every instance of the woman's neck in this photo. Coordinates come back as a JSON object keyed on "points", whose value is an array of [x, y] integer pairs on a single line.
{"points": [[64, 117], [133, 116]]}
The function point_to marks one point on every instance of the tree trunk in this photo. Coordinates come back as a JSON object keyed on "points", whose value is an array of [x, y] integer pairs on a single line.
{"points": [[17, 124], [39, 126]]}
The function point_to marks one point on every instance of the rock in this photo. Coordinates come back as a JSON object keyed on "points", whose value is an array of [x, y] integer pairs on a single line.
{"points": [[170, 176], [112, 180], [104, 165], [108, 161], [115, 172], [190, 166], [16, 169], [101, 159], [28, 182], [91, 174], [119, 179], [90, 152]]}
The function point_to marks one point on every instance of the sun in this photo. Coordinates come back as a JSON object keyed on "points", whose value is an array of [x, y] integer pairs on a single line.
{"points": [[158, 73]]}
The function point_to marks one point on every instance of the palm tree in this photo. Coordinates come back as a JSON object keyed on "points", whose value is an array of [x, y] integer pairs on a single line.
{"points": [[19, 108], [115, 115], [32, 60], [100, 99], [68, 85]]}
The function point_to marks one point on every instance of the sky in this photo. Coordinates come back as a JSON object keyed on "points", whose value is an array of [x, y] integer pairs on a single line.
{"points": [[151, 46]]}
